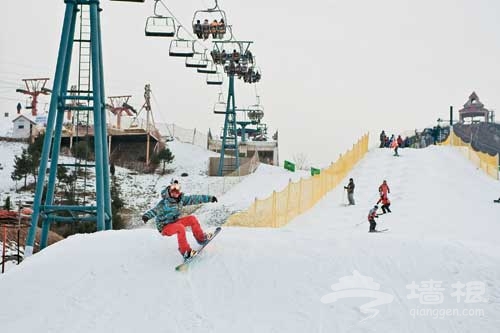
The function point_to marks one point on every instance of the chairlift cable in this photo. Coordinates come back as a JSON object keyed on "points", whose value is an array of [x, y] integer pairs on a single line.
{"points": [[159, 114], [183, 27]]}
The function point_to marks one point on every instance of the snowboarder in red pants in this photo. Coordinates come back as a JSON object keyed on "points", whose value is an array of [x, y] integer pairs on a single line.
{"points": [[167, 212]]}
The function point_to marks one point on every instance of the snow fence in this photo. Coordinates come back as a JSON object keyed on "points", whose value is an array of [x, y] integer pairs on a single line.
{"points": [[281, 207], [486, 162]]}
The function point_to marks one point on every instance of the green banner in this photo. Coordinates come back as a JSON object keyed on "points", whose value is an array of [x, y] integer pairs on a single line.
{"points": [[315, 171], [289, 166]]}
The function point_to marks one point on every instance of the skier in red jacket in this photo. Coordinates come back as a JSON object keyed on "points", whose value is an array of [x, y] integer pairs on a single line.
{"points": [[384, 188]]}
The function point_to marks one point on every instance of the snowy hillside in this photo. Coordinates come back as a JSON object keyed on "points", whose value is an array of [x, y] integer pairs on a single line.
{"points": [[444, 227], [141, 191]]}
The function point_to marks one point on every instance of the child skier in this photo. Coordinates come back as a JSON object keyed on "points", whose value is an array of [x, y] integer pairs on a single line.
{"points": [[167, 212], [350, 191], [372, 214], [394, 145], [385, 203]]}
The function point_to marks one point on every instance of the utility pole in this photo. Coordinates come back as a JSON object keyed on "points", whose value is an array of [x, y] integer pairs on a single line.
{"points": [[149, 115]]}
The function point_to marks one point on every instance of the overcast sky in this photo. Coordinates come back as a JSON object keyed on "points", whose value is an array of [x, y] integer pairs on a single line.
{"points": [[332, 70]]}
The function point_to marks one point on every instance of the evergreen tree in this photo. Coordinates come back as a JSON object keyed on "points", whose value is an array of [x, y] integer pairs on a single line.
{"points": [[37, 144], [22, 167], [166, 157], [117, 204], [7, 204]]}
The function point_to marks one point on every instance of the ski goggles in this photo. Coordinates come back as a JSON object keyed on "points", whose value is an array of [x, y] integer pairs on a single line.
{"points": [[175, 187]]}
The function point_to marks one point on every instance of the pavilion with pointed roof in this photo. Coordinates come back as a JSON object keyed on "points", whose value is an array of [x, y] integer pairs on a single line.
{"points": [[474, 108]]}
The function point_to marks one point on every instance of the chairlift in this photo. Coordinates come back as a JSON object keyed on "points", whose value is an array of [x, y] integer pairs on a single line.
{"points": [[210, 69], [232, 50], [216, 79], [207, 23], [198, 60], [253, 75], [220, 106], [181, 47], [160, 26], [255, 113]]}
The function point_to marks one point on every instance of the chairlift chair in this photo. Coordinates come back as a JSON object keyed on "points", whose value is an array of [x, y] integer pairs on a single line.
{"points": [[210, 69], [198, 60], [255, 113], [180, 47], [229, 47], [220, 106], [210, 14], [160, 26], [216, 79]]}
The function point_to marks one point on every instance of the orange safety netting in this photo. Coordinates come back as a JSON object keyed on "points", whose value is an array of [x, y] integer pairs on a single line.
{"points": [[281, 207], [486, 162]]}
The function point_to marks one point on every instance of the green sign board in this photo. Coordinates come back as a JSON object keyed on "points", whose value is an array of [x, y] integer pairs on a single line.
{"points": [[289, 166], [315, 171]]}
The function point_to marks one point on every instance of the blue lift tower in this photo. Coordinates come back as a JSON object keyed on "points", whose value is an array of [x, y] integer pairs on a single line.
{"points": [[233, 56], [87, 99]]}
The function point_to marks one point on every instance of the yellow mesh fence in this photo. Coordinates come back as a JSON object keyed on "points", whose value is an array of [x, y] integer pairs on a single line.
{"points": [[281, 207], [486, 162]]}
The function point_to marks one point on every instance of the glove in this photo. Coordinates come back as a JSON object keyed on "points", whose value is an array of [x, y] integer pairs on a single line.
{"points": [[145, 218], [213, 199]]}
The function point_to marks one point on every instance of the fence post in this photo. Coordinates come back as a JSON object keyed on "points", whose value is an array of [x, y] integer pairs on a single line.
{"points": [[3, 247], [273, 213], [254, 218], [288, 199], [300, 197]]}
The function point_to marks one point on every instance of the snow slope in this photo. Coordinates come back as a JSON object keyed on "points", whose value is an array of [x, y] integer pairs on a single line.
{"points": [[444, 227]]}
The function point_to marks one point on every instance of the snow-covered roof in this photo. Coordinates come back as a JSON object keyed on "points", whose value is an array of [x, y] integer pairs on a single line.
{"points": [[30, 118]]}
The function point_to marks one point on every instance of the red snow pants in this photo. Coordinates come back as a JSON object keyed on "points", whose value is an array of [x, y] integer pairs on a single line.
{"points": [[179, 227]]}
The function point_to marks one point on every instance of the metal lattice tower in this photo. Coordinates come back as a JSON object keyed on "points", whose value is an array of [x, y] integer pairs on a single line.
{"points": [[232, 67], [90, 100], [229, 135]]}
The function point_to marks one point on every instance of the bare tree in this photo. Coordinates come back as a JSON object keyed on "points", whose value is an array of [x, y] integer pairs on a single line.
{"points": [[300, 161]]}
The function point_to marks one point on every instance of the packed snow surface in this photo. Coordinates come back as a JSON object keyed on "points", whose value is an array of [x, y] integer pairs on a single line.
{"points": [[443, 227]]}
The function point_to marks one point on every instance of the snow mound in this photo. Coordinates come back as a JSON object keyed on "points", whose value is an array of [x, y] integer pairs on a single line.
{"points": [[444, 227]]}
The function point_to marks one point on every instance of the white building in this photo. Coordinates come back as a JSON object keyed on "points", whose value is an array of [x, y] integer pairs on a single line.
{"points": [[24, 126]]}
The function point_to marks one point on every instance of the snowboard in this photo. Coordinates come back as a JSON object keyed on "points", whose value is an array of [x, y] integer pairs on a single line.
{"points": [[183, 267], [497, 201]]}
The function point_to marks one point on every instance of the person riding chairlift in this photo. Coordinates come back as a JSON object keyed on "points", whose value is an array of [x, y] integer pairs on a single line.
{"points": [[213, 28], [221, 29], [206, 29], [197, 29]]}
